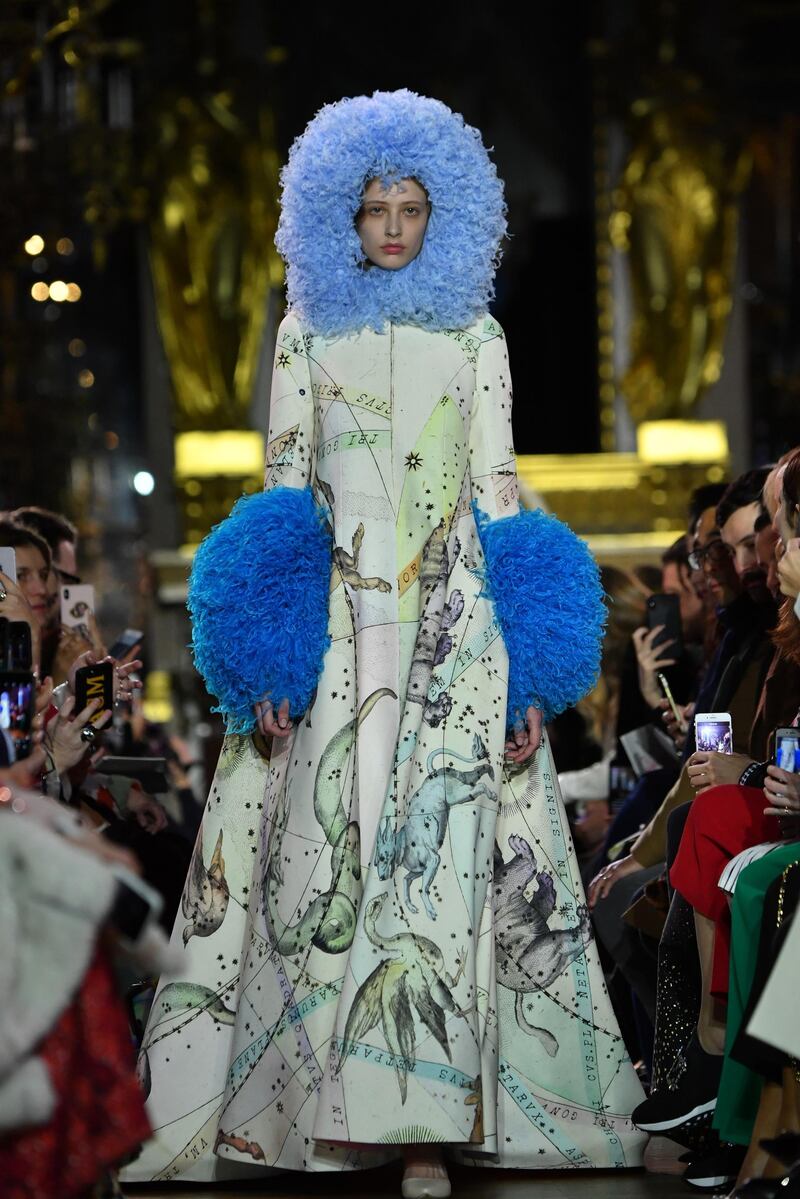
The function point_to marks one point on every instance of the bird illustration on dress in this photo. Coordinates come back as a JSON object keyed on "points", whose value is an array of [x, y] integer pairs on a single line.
{"points": [[205, 896], [414, 979]]}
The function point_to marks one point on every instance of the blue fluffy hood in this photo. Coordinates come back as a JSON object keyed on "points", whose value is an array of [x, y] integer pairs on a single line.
{"points": [[391, 135]]}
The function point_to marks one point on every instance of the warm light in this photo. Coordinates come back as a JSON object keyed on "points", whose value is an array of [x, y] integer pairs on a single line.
{"points": [[111, 440], [40, 292], [34, 245], [665, 441], [157, 698], [77, 348], [64, 245], [86, 379], [5, 794], [73, 293], [232, 452], [58, 291], [143, 482]]}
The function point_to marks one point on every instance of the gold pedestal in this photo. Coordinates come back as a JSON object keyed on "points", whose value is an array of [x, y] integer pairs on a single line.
{"points": [[629, 507]]}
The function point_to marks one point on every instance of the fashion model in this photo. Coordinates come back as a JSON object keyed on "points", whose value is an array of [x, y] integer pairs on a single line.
{"points": [[386, 946]]}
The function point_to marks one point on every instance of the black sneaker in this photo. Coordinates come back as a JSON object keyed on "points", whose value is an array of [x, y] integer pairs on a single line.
{"points": [[693, 1095], [718, 1168]]}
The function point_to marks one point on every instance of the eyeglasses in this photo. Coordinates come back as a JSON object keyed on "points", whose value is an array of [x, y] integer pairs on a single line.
{"points": [[715, 551]]}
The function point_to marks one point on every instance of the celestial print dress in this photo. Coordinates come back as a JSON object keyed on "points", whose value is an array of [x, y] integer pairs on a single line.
{"points": [[384, 933]]}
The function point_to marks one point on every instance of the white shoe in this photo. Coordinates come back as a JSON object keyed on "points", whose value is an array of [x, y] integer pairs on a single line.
{"points": [[416, 1186]]}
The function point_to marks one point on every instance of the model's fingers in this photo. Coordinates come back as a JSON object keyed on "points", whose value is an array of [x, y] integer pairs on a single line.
{"points": [[262, 708], [283, 714], [534, 722]]}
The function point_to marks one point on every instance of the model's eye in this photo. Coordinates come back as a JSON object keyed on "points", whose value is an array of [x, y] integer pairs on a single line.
{"points": [[412, 211]]}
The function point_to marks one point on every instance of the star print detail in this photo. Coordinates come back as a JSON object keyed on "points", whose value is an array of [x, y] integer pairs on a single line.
{"points": [[413, 460], [283, 359]]}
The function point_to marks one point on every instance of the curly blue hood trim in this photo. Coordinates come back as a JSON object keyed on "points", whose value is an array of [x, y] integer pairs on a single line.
{"points": [[390, 135], [548, 599]]}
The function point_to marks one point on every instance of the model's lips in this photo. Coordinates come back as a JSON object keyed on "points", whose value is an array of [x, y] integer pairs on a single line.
{"points": [[393, 249]]}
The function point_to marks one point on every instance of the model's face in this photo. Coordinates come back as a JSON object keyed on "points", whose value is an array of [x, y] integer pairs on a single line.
{"points": [[391, 223]]}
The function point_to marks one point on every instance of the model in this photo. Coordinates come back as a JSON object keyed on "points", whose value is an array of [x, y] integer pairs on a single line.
{"points": [[387, 948]]}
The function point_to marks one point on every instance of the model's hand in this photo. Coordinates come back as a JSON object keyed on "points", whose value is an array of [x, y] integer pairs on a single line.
{"points": [[609, 876], [273, 724], [526, 738], [651, 659], [782, 789], [789, 569], [715, 770]]}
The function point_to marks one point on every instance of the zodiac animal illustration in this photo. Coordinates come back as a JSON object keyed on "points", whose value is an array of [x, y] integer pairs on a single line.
{"points": [[346, 564], [530, 955], [416, 843], [174, 999], [240, 1144], [205, 897], [433, 642], [330, 920], [415, 976]]}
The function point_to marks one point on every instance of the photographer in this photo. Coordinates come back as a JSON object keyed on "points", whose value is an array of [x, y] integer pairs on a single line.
{"points": [[26, 597]]}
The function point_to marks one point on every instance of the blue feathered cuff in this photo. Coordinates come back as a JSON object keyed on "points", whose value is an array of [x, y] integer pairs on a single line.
{"points": [[545, 588], [258, 599]]}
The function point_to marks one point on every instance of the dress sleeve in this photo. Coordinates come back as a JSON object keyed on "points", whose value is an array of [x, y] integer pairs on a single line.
{"points": [[259, 584], [542, 579], [493, 466], [291, 441]]}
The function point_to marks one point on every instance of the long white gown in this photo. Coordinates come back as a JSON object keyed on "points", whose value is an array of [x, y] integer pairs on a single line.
{"points": [[384, 933]]}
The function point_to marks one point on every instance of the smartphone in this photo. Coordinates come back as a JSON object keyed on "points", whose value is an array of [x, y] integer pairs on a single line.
{"points": [[150, 772], [17, 645], [95, 682], [77, 601], [17, 699], [136, 905], [663, 609], [787, 749], [713, 732], [8, 562], [125, 643], [665, 687]]}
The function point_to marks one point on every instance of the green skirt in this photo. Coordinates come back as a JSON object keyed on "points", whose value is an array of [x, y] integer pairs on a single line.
{"points": [[740, 1087]]}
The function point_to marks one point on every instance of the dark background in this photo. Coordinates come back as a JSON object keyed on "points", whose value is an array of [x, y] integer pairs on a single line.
{"points": [[538, 80]]}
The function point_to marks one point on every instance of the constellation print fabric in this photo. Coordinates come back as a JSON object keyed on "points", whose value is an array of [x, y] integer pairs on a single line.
{"points": [[385, 938]]}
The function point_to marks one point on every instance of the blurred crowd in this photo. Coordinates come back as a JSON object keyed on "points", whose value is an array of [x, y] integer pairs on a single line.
{"points": [[681, 772], [99, 809], [681, 775]]}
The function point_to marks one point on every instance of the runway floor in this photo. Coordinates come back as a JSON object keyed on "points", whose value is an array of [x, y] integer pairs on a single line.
{"points": [[471, 1184]]}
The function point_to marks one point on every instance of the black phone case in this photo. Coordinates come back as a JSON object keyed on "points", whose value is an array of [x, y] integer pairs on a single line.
{"points": [[666, 609], [95, 682]]}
